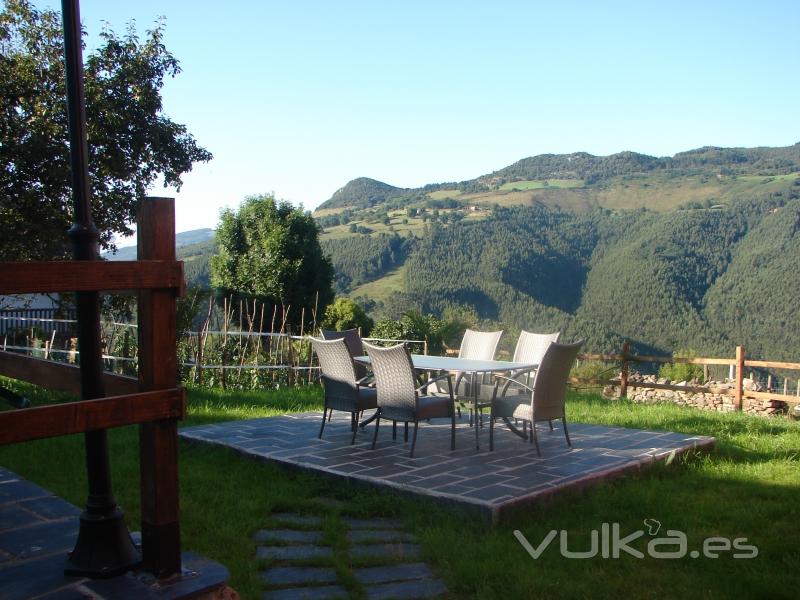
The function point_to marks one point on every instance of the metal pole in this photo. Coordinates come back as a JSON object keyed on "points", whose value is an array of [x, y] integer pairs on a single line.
{"points": [[104, 547]]}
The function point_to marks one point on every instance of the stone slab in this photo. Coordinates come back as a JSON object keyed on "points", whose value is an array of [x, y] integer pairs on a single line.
{"points": [[296, 519], [367, 536], [281, 576], [388, 551], [288, 536], [308, 593], [401, 572], [293, 552]]}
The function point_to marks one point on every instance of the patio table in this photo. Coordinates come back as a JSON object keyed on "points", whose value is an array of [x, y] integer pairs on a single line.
{"points": [[425, 362]]}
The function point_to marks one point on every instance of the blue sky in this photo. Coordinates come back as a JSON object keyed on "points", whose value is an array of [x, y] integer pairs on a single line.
{"points": [[298, 98]]}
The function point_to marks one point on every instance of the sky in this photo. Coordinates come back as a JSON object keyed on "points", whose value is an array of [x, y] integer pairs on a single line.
{"points": [[298, 98]]}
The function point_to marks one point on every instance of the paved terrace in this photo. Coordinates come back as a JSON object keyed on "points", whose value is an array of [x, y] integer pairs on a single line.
{"points": [[38, 530], [493, 483]]}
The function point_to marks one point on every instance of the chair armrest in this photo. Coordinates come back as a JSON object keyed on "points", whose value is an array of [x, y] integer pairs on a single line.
{"points": [[364, 383], [509, 381], [447, 376]]}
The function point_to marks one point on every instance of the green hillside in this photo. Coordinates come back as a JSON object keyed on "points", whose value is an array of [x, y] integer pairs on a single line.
{"points": [[695, 251], [602, 180]]}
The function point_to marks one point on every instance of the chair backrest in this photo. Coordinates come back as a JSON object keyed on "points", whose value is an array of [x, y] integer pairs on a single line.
{"points": [[394, 377], [352, 338], [338, 370], [479, 345], [532, 346], [550, 382]]}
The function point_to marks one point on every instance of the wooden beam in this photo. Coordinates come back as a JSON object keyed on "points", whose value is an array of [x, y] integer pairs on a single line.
{"points": [[772, 364], [83, 276], [158, 369], [59, 376], [739, 376], [89, 415], [770, 396]]}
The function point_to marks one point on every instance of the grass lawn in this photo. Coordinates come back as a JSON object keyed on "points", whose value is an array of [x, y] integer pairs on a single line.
{"points": [[746, 488]]}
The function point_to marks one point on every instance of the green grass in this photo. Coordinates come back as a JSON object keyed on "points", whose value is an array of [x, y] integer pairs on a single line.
{"points": [[543, 184], [747, 487], [381, 289]]}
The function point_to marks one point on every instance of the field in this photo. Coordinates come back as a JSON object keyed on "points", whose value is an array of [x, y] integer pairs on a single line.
{"points": [[379, 290], [542, 184]]}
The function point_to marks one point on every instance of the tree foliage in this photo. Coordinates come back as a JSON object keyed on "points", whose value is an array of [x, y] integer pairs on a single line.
{"points": [[344, 313], [270, 251], [131, 141]]}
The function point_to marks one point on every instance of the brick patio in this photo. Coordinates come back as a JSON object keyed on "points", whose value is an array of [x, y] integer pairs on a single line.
{"points": [[493, 483]]}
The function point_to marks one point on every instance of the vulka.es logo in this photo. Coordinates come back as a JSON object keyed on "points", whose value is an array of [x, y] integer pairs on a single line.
{"points": [[608, 542]]}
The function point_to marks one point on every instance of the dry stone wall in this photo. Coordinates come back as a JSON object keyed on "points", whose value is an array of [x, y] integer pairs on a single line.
{"points": [[715, 395]]}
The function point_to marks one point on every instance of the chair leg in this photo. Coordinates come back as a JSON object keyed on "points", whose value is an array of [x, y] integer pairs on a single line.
{"points": [[375, 437], [394, 430], [324, 415], [354, 426], [524, 429], [414, 440], [405, 438], [551, 424], [535, 439], [453, 430], [458, 408], [491, 431], [566, 433], [330, 416]]}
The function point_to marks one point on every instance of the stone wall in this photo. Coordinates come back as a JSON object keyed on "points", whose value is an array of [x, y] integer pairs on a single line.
{"points": [[716, 395]]}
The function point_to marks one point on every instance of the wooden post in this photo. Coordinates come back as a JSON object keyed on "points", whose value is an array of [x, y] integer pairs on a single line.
{"points": [[623, 376], [785, 386], [769, 383], [158, 369], [739, 376]]}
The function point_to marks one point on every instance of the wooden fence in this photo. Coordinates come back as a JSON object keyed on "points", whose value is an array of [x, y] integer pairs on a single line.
{"points": [[739, 362], [154, 400]]}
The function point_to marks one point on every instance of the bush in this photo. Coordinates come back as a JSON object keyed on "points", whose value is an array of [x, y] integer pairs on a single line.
{"points": [[681, 371]]}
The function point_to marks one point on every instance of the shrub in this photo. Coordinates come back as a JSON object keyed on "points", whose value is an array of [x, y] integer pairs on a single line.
{"points": [[681, 371]]}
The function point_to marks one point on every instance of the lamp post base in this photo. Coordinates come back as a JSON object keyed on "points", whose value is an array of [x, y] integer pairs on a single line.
{"points": [[104, 548]]}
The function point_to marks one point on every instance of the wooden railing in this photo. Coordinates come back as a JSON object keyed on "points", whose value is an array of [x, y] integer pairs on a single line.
{"points": [[154, 401], [739, 361]]}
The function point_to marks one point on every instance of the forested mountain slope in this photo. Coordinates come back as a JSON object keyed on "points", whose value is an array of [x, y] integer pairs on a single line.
{"points": [[697, 251], [755, 301]]}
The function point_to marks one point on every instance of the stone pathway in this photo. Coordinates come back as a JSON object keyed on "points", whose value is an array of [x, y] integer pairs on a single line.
{"points": [[379, 560]]}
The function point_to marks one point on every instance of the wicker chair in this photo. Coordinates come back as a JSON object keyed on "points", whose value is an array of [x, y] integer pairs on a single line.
{"points": [[399, 397], [542, 401], [477, 345], [343, 390], [352, 338]]}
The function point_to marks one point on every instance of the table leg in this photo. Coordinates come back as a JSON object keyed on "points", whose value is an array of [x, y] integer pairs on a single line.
{"points": [[514, 429]]}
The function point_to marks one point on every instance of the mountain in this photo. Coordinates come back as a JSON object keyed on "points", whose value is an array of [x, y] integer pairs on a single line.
{"points": [[691, 252], [185, 238], [583, 180], [361, 193]]}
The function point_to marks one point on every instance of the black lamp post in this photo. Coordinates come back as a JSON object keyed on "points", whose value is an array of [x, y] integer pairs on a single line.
{"points": [[104, 547]]}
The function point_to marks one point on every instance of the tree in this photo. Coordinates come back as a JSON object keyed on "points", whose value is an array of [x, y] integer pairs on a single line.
{"points": [[344, 313], [131, 142], [270, 251]]}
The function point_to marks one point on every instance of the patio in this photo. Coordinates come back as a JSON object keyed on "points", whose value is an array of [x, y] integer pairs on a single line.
{"points": [[494, 484]]}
